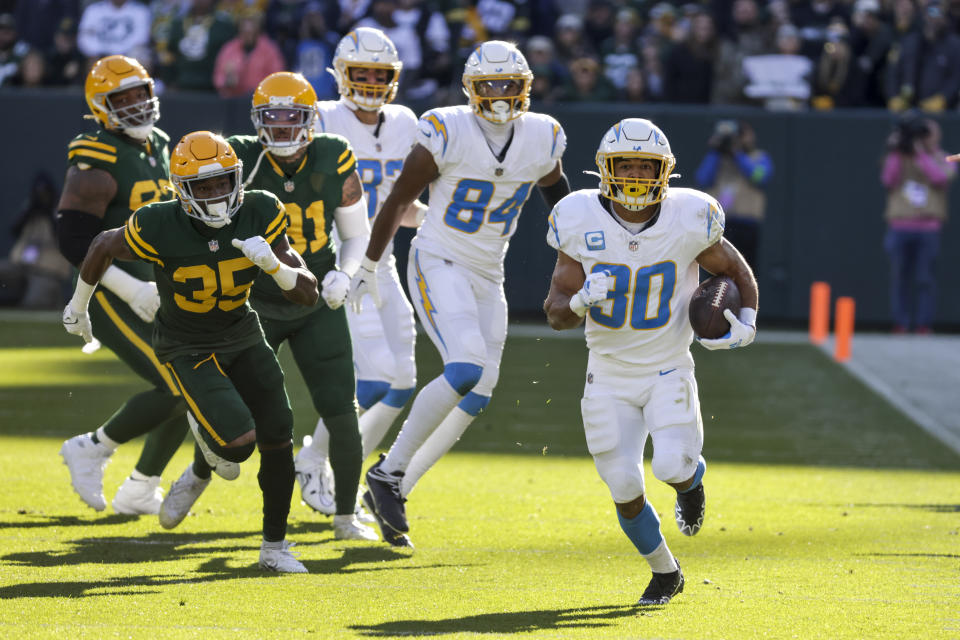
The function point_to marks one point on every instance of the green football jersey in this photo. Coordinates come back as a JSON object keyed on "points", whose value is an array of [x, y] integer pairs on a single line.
{"points": [[140, 170], [310, 193], [203, 280]]}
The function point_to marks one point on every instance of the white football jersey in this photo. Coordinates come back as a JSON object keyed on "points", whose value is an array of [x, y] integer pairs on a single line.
{"points": [[643, 323], [379, 157], [477, 198]]}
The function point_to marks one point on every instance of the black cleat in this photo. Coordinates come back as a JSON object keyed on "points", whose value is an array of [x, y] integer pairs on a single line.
{"points": [[391, 537], [689, 511], [662, 588], [387, 501]]}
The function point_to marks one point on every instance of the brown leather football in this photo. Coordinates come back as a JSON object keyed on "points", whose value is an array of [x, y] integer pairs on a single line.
{"points": [[708, 303]]}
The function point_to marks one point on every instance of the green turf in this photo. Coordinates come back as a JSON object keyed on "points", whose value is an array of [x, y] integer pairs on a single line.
{"points": [[829, 516]]}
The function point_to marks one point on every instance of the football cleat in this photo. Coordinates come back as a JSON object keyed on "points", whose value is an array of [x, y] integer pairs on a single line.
{"points": [[139, 497], [689, 511], [662, 588], [316, 480], [183, 495], [221, 466], [86, 461], [391, 537], [276, 556], [348, 527], [387, 499]]}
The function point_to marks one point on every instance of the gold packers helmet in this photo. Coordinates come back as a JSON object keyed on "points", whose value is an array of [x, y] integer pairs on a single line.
{"points": [[366, 48], [112, 75], [201, 156], [634, 138], [284, 112], [497, 81]]}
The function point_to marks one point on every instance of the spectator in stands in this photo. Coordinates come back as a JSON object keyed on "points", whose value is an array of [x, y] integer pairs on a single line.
{"points": [[65, 63], [916, 176], [284, 23], [598, 23], [12, 48], [32, 72], [838, 81], [314, 54], [569, 41], [433, 39], [34, 275], [688, 69], [115, 26], [162, 15], [621, 51], [927, 70], [635, 89], [652, 70], [195, 40], [587, 83], [870, 42], [906, 18], [813, 18], [246, 60], [780, 80], [734, 171], [748, 37], [549, 76], [36, 20]]}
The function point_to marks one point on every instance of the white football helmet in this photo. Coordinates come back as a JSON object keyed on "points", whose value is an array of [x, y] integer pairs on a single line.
{"points": [[366, 48], [634, 138], [497, 81]]}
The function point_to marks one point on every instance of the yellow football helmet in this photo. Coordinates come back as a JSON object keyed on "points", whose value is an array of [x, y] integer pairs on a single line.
{"points": [[111, 75], [198, 157], [284, 106], [366, 48], [634, 138], [492, 70]]}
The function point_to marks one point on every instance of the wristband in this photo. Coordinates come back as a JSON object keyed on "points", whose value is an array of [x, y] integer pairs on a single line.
{"points": [[285, 276], [748, 316], [81, 295], [368, 264], [576, 304]]}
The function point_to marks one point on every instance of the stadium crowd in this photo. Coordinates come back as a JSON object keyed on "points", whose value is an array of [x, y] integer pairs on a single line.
{"points": [[781, 54]]}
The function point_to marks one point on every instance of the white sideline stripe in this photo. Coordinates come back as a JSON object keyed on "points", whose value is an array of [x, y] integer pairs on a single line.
{"points": [[922, 419]]}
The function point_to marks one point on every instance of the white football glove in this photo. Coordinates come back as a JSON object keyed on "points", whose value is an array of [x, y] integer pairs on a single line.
{"points": [[740, 334], [77, 323], [258, 252], [146, 301], [364, 282], [594, 291], [335, 288]]}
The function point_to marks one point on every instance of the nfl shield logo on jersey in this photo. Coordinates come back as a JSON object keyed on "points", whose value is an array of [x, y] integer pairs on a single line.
{"points": [[634, 245], [214, 245]]}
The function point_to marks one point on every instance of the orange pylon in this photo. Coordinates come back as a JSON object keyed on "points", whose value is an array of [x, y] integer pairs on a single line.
{"points": [[819, 312], [843, 329]]}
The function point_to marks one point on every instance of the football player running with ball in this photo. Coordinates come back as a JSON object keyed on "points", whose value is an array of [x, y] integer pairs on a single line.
{"points": [[367, 68], [206, 248], [480, 161], [628, 259], [120, 167]]}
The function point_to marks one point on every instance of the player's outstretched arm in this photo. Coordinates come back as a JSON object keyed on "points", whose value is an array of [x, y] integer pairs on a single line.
{"points": [[722, 258], [282, 263], [565, 306], [106, 247]]}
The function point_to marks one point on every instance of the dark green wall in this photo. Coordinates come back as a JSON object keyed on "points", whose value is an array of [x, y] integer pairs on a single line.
{"points": [[824, 207]]}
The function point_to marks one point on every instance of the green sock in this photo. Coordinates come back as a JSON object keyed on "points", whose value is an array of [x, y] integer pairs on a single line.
{"points": [[141, 413], [200, 467], [346, 458], [276, 478], [162, 442]]}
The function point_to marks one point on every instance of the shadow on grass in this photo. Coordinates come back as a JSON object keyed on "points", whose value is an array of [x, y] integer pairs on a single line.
{"points": [[933, 508], [503, 623], [64, 521]]}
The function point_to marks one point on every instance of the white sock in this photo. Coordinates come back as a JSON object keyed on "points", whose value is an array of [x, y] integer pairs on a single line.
{"points": [[439, 442], [136, 475], [430, 407], [106, 441], [374, 424], [661, 560], [274, 544], [321, 439]]}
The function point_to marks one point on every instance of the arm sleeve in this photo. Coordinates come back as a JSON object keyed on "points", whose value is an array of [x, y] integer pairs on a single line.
{"points": [[75, 231], [937, 174], [353, 227]]}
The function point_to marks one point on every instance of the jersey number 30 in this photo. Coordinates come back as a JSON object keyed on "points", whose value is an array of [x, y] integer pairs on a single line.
{"points": [[648, 302]]}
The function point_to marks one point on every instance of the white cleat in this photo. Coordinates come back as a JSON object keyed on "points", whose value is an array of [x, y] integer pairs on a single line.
{"points": [[86, 462], [361, 513], [221, 466], [276, 556], [139, 497], [183, 495], [348, 527], [316, 479]]}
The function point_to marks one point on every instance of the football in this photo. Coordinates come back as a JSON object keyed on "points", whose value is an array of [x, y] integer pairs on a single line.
{"points": [[708, 303]]}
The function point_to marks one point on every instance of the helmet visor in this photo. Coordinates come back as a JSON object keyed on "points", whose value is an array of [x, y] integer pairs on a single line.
{"points": [[284, 128]]}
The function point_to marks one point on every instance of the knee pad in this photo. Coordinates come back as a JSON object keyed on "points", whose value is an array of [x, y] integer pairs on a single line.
{"points": [[235, 454], [370, 392], [473, 403], [396, 398], [462, 376], [672, 464]]}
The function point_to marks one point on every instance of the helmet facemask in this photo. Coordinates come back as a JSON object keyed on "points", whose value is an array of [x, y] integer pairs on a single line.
{"points": [[634, 194], [217, 210], [499, 98], [284, 129], [135, 120], [366, 95]]}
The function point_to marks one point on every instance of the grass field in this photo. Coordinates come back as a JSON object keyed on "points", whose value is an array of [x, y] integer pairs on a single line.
{"points": [[828, 516]]}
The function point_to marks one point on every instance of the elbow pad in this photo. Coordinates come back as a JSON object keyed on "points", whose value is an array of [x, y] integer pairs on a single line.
{"points": [[75, 231], [556, 191]]}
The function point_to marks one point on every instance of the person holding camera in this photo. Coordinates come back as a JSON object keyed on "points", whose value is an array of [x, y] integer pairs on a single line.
{"points": [[917, 175], [734, 171]]}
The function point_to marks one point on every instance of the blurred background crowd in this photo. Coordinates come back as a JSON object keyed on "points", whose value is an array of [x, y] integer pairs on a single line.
{"points": [[779, 54]]}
